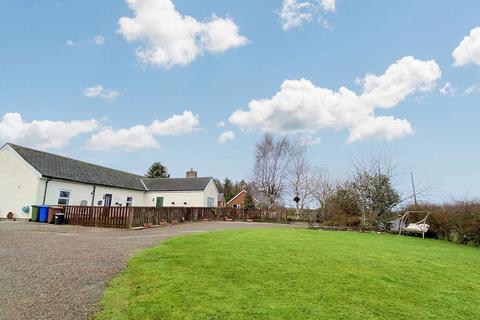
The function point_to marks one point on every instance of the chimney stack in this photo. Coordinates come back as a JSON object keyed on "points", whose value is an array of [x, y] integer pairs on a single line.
{"points": [[191, 174]]}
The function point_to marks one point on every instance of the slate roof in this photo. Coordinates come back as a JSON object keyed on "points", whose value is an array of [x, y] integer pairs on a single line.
{"points": [[177, 184], [58, 167]]}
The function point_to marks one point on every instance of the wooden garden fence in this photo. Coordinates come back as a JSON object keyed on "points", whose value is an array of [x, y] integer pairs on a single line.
{"points": [[105, 217], [132, 217]]}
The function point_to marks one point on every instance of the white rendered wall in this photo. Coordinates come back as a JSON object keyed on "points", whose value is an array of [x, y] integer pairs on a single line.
{"points": [[81, 191], [18, 184], [210, 192], [175, 198]]}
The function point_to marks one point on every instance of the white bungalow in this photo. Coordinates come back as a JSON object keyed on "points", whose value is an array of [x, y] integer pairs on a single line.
{"points": [[31, 177]]}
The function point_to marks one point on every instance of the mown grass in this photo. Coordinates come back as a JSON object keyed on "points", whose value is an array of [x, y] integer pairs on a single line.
{"points": [[297, 274]]}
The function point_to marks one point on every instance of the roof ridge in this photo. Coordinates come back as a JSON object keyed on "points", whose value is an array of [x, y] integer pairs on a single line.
{"points": [[178, 178], [144, 185]]}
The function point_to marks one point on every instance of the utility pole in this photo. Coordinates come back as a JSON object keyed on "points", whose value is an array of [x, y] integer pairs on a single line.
{"points": [[414, 192]]}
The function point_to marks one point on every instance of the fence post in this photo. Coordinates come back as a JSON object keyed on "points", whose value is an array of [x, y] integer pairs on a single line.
{"points": [[130, 218]]}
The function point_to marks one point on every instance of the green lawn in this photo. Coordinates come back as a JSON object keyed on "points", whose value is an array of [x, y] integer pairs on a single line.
{"points": [[297, 274]]}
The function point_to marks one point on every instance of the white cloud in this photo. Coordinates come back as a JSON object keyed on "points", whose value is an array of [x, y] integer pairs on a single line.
{"points": [[221, 124], [169, 38], [308, 140], [134, 138], [140, 136], [328, 5], [99, 40], [226, 136], [387, 128], [71, 43], [448, 89], [468, 51], [301, 107], [295, 13], [219, 35], [176, 125], [401, 79], [94, 91], [44, 133], [472, 89], [100, 91]]}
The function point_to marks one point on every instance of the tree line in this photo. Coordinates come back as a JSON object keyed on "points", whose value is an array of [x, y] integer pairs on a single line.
{"points": [[284, 172], [284, 175]]}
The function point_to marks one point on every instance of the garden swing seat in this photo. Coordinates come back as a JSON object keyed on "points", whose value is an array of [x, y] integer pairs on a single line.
{"points": [[416, 227]]}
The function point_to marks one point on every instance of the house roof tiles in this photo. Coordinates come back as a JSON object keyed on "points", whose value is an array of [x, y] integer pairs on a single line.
{"points": [[177, 184], [58, 167]]}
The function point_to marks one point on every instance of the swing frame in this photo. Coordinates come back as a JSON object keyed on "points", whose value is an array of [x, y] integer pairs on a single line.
{"points": [[402, 222]]}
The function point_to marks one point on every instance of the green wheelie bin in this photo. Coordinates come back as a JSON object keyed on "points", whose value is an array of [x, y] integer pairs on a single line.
{"points": [[34, 214]]}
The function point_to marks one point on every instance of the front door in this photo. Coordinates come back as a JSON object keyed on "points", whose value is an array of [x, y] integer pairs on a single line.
{"points": [[159, 202], [108, 200]]}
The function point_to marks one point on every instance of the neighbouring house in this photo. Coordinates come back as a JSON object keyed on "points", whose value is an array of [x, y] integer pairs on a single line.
{"points": [[221, 200], [238, 202], [31, 177]]}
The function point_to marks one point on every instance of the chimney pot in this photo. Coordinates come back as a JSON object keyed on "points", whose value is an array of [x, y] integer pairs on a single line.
{"points": [[191, 174]]}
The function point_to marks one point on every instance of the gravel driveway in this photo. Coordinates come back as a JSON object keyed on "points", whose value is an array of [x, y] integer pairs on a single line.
{"points": [[60, 272]]}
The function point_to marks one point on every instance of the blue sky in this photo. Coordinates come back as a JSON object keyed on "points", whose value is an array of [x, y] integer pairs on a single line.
{"points": [[72, 62]]}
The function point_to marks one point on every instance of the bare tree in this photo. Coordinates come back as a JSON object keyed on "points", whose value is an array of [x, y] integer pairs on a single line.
{"points": [[302, 179], [272, 159], [323, 188]]}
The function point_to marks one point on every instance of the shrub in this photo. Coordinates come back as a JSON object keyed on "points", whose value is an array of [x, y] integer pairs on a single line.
{"points": [[458, 222], [341, 206], [342, 220]]}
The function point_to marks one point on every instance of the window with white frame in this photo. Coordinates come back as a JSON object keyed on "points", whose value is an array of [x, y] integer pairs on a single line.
{"points": [[64, 197], [210, 202], [129, 201]]}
